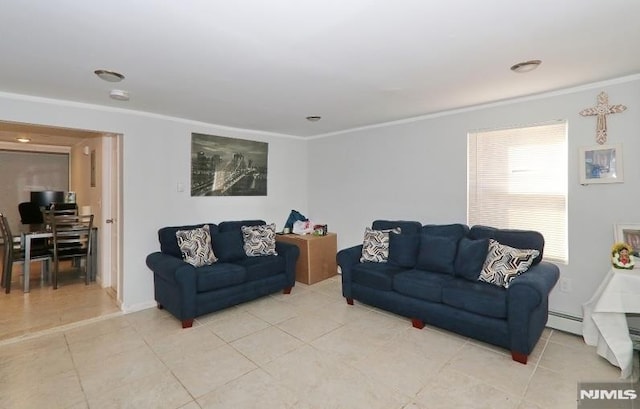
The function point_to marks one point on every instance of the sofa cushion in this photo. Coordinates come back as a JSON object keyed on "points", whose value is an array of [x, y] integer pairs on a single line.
{"points": [[168, 241], [476, 297], [436, 254], [520, 239], [375, 275], [408, 227], [421, 284], [375, 246], [504, 263], [195, 246], [262, 267], [454, 231], [403, 249], [259, 240], [236, 225], [219, 275], [228, 246], [470, 258]]}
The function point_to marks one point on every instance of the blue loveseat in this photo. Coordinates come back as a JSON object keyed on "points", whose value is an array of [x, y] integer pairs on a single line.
{"points": [[431, 276], [188, 292]]}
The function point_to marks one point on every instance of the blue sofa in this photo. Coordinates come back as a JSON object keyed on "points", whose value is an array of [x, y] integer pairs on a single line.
{"points": [[431, 276], [188, 292]]}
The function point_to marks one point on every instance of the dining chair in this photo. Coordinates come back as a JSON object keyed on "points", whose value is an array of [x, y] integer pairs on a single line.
{"points": [[14, 253], [30, 213], [71, 240]]}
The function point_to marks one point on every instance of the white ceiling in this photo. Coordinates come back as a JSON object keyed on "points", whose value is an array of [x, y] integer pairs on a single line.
{"points": [[266, 65]]}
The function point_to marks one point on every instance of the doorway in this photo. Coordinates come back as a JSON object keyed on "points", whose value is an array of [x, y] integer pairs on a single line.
{"points": [[95, 176]]}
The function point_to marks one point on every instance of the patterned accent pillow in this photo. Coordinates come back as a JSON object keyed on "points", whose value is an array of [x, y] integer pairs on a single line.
{"points": [[259, 240], [195, 246], [504, 263], [375, 247]]}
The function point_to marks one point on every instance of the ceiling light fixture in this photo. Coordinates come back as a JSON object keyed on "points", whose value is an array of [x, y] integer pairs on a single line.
{"points": [[23, 139], [314, 118], [109, 76], [525, 66], [119, 94]]}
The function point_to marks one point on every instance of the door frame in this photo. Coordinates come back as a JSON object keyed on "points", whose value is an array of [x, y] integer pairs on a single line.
{"points": [[111, 202]]}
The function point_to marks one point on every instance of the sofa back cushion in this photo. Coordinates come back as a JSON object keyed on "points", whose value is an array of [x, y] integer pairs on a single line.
{"points": [[403, 249], [228, 246], [454, 231], [520, 239], [169, 242], [228, 243], [470, 257], [236, 225], [437, 253], [438, 246], [406, 227]]}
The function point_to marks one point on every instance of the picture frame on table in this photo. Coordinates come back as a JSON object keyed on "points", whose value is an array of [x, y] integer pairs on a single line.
{"points": [[630, 234], [601, 164]]}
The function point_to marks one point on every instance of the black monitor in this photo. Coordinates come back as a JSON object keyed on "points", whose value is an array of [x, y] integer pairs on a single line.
{"points": [[46, 197]]}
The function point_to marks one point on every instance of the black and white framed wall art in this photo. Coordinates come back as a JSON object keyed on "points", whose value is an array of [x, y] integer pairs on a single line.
{"points": [[222, 166]]}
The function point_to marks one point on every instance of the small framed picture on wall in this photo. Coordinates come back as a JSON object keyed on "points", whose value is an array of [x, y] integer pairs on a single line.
{"points": [[629, 234], [601, 164]]}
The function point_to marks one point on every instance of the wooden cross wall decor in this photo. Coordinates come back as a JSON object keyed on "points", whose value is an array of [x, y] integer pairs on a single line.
{"points": [[601, 111]]}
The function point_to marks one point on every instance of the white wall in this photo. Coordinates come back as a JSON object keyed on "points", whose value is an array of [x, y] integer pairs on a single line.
{"points": [[156, 156], [416, 170]]}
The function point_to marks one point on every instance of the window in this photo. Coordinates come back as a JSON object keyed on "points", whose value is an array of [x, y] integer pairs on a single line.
{"points": [[518, 180]]}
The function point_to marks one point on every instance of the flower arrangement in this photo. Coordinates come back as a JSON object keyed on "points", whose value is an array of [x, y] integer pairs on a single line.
{"points": [[621, 256]]}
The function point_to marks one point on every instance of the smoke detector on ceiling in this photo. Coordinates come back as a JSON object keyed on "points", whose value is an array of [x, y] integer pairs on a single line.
{"points": [[119, 94]]}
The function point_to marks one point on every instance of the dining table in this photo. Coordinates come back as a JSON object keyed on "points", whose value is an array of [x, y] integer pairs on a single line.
{"points": [[29, 232]]}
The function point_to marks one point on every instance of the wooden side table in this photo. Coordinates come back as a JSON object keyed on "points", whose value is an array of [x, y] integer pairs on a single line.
{"points": [[317, 259]]}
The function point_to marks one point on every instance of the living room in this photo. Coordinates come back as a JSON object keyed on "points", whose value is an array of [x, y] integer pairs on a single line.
{"points": [[413, 169], [156, 160]]}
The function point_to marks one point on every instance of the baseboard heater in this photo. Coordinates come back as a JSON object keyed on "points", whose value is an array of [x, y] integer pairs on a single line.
{"points": [[573, 324]]}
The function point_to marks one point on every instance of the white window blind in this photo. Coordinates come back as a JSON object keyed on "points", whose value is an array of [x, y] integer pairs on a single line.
{"points": [[518, 180]]}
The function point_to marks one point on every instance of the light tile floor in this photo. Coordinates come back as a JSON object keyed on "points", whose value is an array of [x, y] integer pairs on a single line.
{"points": [[307, 350], [44, 308]]}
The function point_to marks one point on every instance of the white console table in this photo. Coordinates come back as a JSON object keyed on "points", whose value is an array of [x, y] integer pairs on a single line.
{"points": [[604, 322]]}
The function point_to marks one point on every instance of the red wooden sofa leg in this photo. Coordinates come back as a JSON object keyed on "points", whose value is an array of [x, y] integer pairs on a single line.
{"points": [[286, 290], [188, 323], [519, 357], [417, 323], [349, 300]]}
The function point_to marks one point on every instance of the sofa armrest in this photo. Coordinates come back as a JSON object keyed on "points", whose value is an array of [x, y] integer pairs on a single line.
{"points": [[347, 258], [291, 252], [175, 284], [528, 305], [530, 288], [174, 271]]}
